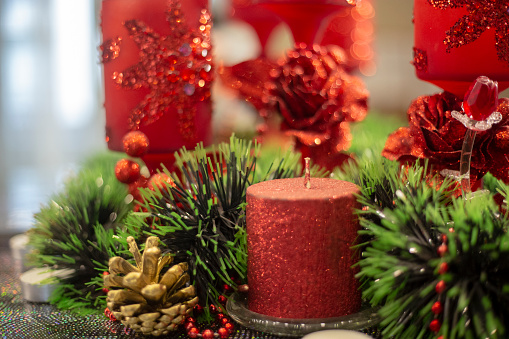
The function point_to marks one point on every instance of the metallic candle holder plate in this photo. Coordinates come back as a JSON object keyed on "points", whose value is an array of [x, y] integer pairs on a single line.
{"points": [[237, 309]]}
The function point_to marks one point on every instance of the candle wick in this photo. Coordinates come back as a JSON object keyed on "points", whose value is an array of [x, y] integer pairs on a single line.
{"points": [[307, 174]]}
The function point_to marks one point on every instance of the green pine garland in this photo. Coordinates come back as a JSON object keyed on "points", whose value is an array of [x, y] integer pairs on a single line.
{"points": [[400, 267], [202, 219], [76, 230]]}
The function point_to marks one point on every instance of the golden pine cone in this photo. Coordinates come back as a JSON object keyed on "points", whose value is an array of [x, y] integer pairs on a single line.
{"points": [[144, 300]]}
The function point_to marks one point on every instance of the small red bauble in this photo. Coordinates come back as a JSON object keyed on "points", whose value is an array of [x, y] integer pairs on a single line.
{"points": [[112, 317], [188, 326], [221, 299], [135, 186], [229, 327], [223, 333], [193, 332], [212, 308], [224, 321], [227, 288], [207, 334], [105, 290], [437, 308], [127, 171], [158, 180], [443, 268], [440, 287], [135, 143], [220, 316], [481, 99], [435, 325]]}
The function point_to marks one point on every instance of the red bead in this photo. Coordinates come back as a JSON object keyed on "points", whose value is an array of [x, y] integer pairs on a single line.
{"points": [[224, 321], [105, 290], [135, 143], [481, 99], [127, 171], [443, 268], [189, 326], [190, 320], [227, 288], [106, 273], [193, 332], [229, 327], [440, 286], [207, 334], [435, 325], [221, 299], [223, 333], [437, 308], [220, 316], [442, 250], [212, 308], [112, 317], [107, 312]]}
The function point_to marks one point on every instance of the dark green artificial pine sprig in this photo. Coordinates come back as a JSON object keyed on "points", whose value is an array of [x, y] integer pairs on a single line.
{"points": [[76, 230], [436, 266], [201, 220]]}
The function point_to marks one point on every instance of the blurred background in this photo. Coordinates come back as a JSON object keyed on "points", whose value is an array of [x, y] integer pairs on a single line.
{"points": [[51, 114]]}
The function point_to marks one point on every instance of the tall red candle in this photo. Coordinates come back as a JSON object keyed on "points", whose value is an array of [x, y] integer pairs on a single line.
{"points": [[299, 248], [157, 73], [457, 41]]}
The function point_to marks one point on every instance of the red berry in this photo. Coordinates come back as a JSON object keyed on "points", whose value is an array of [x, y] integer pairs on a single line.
{"points": [[481, 99], [220, 316], [135, 143], [107, 312], [223, 333], [207, 334], [443, 268], [437, 308], [435, 325], [127, 171], [224, 321], [227, 288], [189, 326], [212, 308], [106, 273], [105, 290], [193, 332], [222, 299], [442, 250], [440, 287], [229, 327]]}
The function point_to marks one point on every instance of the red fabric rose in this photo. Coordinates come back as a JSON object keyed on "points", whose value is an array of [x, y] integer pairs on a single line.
{"points": [[435, 135]]}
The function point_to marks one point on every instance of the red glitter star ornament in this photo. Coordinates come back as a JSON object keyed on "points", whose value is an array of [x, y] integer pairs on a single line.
{"points": [[177, 69], [481, 17]]}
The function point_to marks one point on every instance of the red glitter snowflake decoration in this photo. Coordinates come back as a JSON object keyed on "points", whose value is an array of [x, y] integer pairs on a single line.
{"points": [[177, 69], [482, 15]]}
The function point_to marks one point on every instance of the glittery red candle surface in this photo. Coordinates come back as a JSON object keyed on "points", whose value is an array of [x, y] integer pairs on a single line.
{"points": [[456, 41], [299, 248], [157, 73]]}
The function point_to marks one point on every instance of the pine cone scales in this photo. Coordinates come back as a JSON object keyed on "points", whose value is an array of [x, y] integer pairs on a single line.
{"points": [[148, 302]]}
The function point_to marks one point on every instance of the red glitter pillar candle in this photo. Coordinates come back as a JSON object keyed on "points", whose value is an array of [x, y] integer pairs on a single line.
{"points": [[299, 248], [456, 41], [158, 71]]}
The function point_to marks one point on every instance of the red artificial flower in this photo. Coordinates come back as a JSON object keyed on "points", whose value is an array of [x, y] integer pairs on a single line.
{"points": [[435, 135]]}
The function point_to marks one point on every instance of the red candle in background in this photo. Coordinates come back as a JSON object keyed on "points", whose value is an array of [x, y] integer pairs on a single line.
{"points": [[353, 30], [299, 248], [262, 21], [156, 81], [306, 18], [447, 52]]}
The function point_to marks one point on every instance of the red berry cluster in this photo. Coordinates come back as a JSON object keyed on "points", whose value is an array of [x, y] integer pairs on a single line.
{"points": [[109, 314], [440, 288], [221, 328]]}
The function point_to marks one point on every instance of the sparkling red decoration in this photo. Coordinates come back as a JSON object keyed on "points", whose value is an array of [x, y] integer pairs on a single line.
{"points": [[159, 181], [420, 60], [193, 332], [127, 171], [223, 333], [481, 16], [442, 250], [434, 135], [443, 268], [481, 99], [176, 69], [136, 144], [207, 334], [110, 49]]}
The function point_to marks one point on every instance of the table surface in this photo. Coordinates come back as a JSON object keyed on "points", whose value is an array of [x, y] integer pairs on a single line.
{"points": [[22, 320]]}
